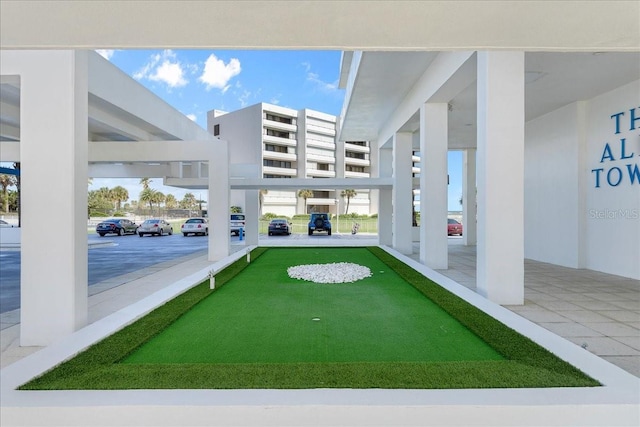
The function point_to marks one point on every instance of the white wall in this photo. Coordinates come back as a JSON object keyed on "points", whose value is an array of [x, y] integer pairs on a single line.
{"points": [[568, 221], [551, 217], [613, 212]]}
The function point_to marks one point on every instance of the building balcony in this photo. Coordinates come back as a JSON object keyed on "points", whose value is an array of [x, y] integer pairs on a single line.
{"points": [[348, 174], [330, 131], [281, 141], [317, 173], [320, 159], [271, 170], [279, 125], [276, 155], [320, 144], [320, 201], [357, 162], [356, 148]]}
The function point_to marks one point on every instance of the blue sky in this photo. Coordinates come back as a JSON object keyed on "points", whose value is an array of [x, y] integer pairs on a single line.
{"points": [[197, 81]]}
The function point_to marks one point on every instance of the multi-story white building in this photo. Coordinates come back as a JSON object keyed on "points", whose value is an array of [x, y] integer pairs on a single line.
{"points": [[291, 143]]}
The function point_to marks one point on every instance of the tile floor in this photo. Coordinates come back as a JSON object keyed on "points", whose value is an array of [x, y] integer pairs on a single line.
{"points": [[598, 311]]}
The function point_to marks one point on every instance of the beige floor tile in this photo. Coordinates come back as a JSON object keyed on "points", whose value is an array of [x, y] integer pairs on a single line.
{"points": [[614, 329]]}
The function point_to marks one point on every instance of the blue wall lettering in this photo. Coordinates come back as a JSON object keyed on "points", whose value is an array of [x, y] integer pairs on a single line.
{"points": [[614, 182], [615, 175], [633, 173]]}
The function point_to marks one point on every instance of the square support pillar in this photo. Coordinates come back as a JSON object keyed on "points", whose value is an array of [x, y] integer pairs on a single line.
{"points": [[500, 259], [469, 197], [251, 212], [385, 199], [402, 192], [219, 227], [53, 146], [434, 242]]}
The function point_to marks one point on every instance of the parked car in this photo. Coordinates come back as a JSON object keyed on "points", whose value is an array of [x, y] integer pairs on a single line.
{"points": [[117, 226], [195, 226], [279, 226], [5, 224], [237, 222], [155, 226], [319, 222], [454, 227]]}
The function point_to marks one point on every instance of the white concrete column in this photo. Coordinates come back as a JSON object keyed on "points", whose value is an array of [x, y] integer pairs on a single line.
{"points": [[402, 192], [385, 199], [469, 197], [434, 244], [252, 215], [219, 227], [500, 259], [54, 172]]}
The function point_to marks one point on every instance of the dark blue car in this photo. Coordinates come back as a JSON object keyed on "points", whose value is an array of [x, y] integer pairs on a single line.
{"points": [[116, 226], [319, 222]]}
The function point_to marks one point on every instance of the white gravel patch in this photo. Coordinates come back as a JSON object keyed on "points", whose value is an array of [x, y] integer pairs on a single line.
{"points": [[339, 272]]}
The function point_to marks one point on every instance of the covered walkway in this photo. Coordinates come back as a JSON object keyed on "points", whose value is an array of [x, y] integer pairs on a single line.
{"points": [[598, 311]]}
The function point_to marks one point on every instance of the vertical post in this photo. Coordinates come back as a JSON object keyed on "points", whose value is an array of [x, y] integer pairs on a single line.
{"points": [[219, 227], [500, 259], [385, 200], [434, 245], [469, 199], [54, 145], [402, 192]]}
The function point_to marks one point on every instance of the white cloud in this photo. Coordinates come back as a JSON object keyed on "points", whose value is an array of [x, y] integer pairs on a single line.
{"points": [[105, 53], [164, 67], [322, 85], [217, 74], [170, 73], [244, 98]]}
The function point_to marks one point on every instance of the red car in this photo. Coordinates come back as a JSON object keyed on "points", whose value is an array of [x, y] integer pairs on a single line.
{"points": [[454, 227]]}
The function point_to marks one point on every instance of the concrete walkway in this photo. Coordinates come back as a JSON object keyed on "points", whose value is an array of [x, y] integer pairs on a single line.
{"points": [[597, 311]]}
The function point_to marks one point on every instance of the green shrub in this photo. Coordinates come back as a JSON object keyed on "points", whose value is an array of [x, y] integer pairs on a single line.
{"points": [[98, 214]]}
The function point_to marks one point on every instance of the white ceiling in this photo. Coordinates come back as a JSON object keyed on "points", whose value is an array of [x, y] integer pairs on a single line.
{"points": [[552, 80]]}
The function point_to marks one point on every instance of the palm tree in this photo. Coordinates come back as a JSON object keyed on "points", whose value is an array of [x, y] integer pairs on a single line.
{"points": [[119, 194], [305, 194], [348, 194], [170, 201], [146, 196], [145, 183], [189, 201], [158, 198], [6, 181]]}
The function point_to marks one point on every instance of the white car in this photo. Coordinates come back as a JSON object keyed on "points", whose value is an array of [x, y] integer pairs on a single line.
{"points": [[237, 222], [4, 224], [195, 226], [155, 226]]}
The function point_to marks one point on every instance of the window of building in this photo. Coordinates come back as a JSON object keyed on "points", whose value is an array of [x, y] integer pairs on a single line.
{"points": [[276, 163], [320, 194], [323, 166], [279, 134], [216, 130], [360, 143], [268, 175], [279, 119], [276, 148], [353, 155], [351, 168]]}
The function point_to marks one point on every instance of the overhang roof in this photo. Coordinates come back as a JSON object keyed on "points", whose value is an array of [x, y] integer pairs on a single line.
{"points": [[552, 80]]}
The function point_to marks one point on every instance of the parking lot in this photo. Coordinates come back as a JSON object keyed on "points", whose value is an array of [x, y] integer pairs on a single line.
{"points": [[118, 256]]}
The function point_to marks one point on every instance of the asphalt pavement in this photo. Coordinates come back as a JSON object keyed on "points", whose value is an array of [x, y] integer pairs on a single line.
{"points": [[124, 255]]}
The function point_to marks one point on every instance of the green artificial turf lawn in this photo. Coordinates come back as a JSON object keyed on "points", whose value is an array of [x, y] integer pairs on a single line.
{"points": [[256, 330], [263, 316]]}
